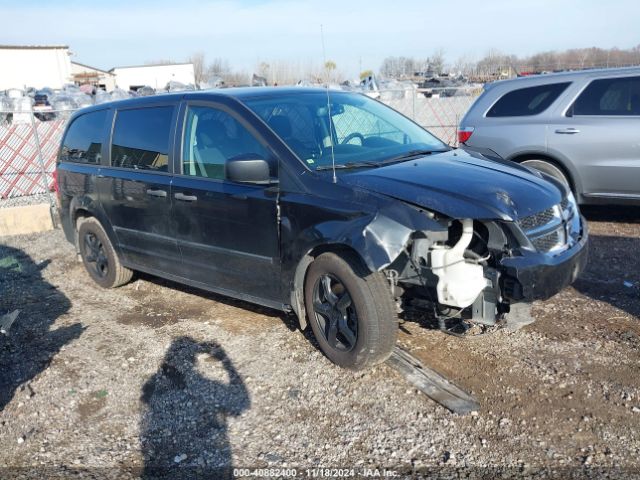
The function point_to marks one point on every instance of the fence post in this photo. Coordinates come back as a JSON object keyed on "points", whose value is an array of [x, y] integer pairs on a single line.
{"points": [[413, 102], [455, 139], [43, 168]]}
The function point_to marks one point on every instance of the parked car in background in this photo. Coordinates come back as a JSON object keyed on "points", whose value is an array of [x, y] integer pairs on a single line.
{"points": [[42, 104], [19, 106], [341, 212], [583, 128]]}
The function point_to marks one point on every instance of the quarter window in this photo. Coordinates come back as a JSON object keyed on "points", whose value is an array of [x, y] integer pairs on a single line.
{"points": [[609, 96], [141, 138], [527, 101], [211, 138], [83, 141]]}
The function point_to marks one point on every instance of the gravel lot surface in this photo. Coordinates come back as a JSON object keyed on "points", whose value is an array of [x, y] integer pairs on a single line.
{"points": [[25, 200], [117, 383]]}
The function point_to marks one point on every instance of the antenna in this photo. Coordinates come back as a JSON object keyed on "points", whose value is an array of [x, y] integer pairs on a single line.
{"points": [[333, 157]]}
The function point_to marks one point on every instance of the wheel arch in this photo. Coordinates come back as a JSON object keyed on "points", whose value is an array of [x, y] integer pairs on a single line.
{"points": [[79, 213], [568, 170], [88, 209], [297, 289]]}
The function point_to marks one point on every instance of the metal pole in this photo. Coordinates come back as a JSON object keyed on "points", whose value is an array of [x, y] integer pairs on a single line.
{"points": [[455, 138], [413, 101], [41, 159]]}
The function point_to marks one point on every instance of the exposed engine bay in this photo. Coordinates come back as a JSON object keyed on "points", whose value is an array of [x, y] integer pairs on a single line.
{"points": [[453, 270], [474, 270]]}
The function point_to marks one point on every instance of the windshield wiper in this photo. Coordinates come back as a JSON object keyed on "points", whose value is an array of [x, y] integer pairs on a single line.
{"points": [[343, 166], [399, 158], [409, 155]]}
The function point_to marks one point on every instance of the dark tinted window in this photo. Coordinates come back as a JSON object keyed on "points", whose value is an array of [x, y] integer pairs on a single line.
{"points": [[83, 142], [212, 137], [527, 101], [141, 138], [609, 96]]}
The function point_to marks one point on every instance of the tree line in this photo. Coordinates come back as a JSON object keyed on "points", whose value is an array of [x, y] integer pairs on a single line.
{"points": [[494, 63]]}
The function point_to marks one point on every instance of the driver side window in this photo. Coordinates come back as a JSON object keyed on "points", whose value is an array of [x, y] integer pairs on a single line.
{"points": [[356, 123], [211, 138]]}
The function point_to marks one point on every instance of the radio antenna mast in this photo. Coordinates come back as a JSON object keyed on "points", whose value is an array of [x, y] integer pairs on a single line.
{"points": [[324, 59]]}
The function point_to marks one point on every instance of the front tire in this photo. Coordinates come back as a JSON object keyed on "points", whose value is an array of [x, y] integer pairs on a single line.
{"points": [[550, 169], [350, 310], [98, 256]]}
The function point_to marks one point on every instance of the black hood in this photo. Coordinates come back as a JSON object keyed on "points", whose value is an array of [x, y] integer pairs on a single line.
{"points": [[462, 184]]}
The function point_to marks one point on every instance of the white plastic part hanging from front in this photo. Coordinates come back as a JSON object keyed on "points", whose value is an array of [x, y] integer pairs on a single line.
{"points": [[459, 282]]}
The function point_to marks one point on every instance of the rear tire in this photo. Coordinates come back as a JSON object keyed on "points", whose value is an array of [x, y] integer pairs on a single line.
{"points": [[350, 310], [99, 257], [548, 168]]}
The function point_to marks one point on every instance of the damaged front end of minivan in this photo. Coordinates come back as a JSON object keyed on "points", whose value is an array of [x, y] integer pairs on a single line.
{"points": [[476, 269], [470, 269]]}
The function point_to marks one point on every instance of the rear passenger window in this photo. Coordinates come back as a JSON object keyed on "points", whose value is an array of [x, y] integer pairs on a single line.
{"points": [[609, 96], [211, 137], [141, 138], [527, 101], [83, 141]]}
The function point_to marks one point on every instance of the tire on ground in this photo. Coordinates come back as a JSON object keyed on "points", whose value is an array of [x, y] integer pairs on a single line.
{"points": [[377, 320], [117, 274]]}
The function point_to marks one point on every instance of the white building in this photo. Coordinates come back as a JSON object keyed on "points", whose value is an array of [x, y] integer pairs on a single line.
{"points": [[84, 74], [156, 76], [34, 66]]}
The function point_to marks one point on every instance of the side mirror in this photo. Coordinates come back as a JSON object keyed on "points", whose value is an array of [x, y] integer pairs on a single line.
{"points": [[248, 169], [336, 109]]}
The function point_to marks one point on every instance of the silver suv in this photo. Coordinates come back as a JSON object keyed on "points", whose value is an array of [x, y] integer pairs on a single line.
{"points": [[582, 128]]}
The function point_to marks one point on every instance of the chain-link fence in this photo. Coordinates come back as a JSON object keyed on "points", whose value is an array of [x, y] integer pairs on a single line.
{"points": [[29, 143], [29, 139], [439, 110]]}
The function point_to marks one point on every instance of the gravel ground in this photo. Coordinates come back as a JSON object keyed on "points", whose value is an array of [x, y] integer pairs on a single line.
{"points": [[25, 200], [156, 379]]}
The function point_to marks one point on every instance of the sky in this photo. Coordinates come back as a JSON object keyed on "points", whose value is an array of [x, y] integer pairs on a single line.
{"points": [[358, 34]]}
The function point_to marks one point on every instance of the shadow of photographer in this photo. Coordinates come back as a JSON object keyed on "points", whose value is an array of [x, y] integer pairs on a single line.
{"points": [[183, 430], [28, 344]]}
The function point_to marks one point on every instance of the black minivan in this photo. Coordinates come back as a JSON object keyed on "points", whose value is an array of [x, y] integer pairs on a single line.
{"points": [[333, 206]]}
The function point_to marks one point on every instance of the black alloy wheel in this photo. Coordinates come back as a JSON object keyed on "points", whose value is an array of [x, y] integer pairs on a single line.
{"points": [[334, 313], [350, 310], [96, 256]]}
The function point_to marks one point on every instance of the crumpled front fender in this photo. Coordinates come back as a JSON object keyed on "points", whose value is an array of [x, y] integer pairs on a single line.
{"points": [[378, 238], [381, 241], [387, 235], [378, 230]]}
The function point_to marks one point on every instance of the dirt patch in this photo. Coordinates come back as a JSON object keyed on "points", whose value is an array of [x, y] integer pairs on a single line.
{"points": [[92, 405], [156, 310], [149, 318]]}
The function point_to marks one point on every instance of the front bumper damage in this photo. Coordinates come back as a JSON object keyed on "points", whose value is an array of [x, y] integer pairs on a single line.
{"points": [[536, 276], [482, 287]]}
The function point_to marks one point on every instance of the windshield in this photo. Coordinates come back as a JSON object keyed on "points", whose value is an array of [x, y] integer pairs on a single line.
{"points": [[364, 133]]}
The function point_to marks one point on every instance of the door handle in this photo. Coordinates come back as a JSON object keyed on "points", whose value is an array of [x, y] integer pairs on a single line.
{"points": [[567, 131], [157, 193], [185, 198]]}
